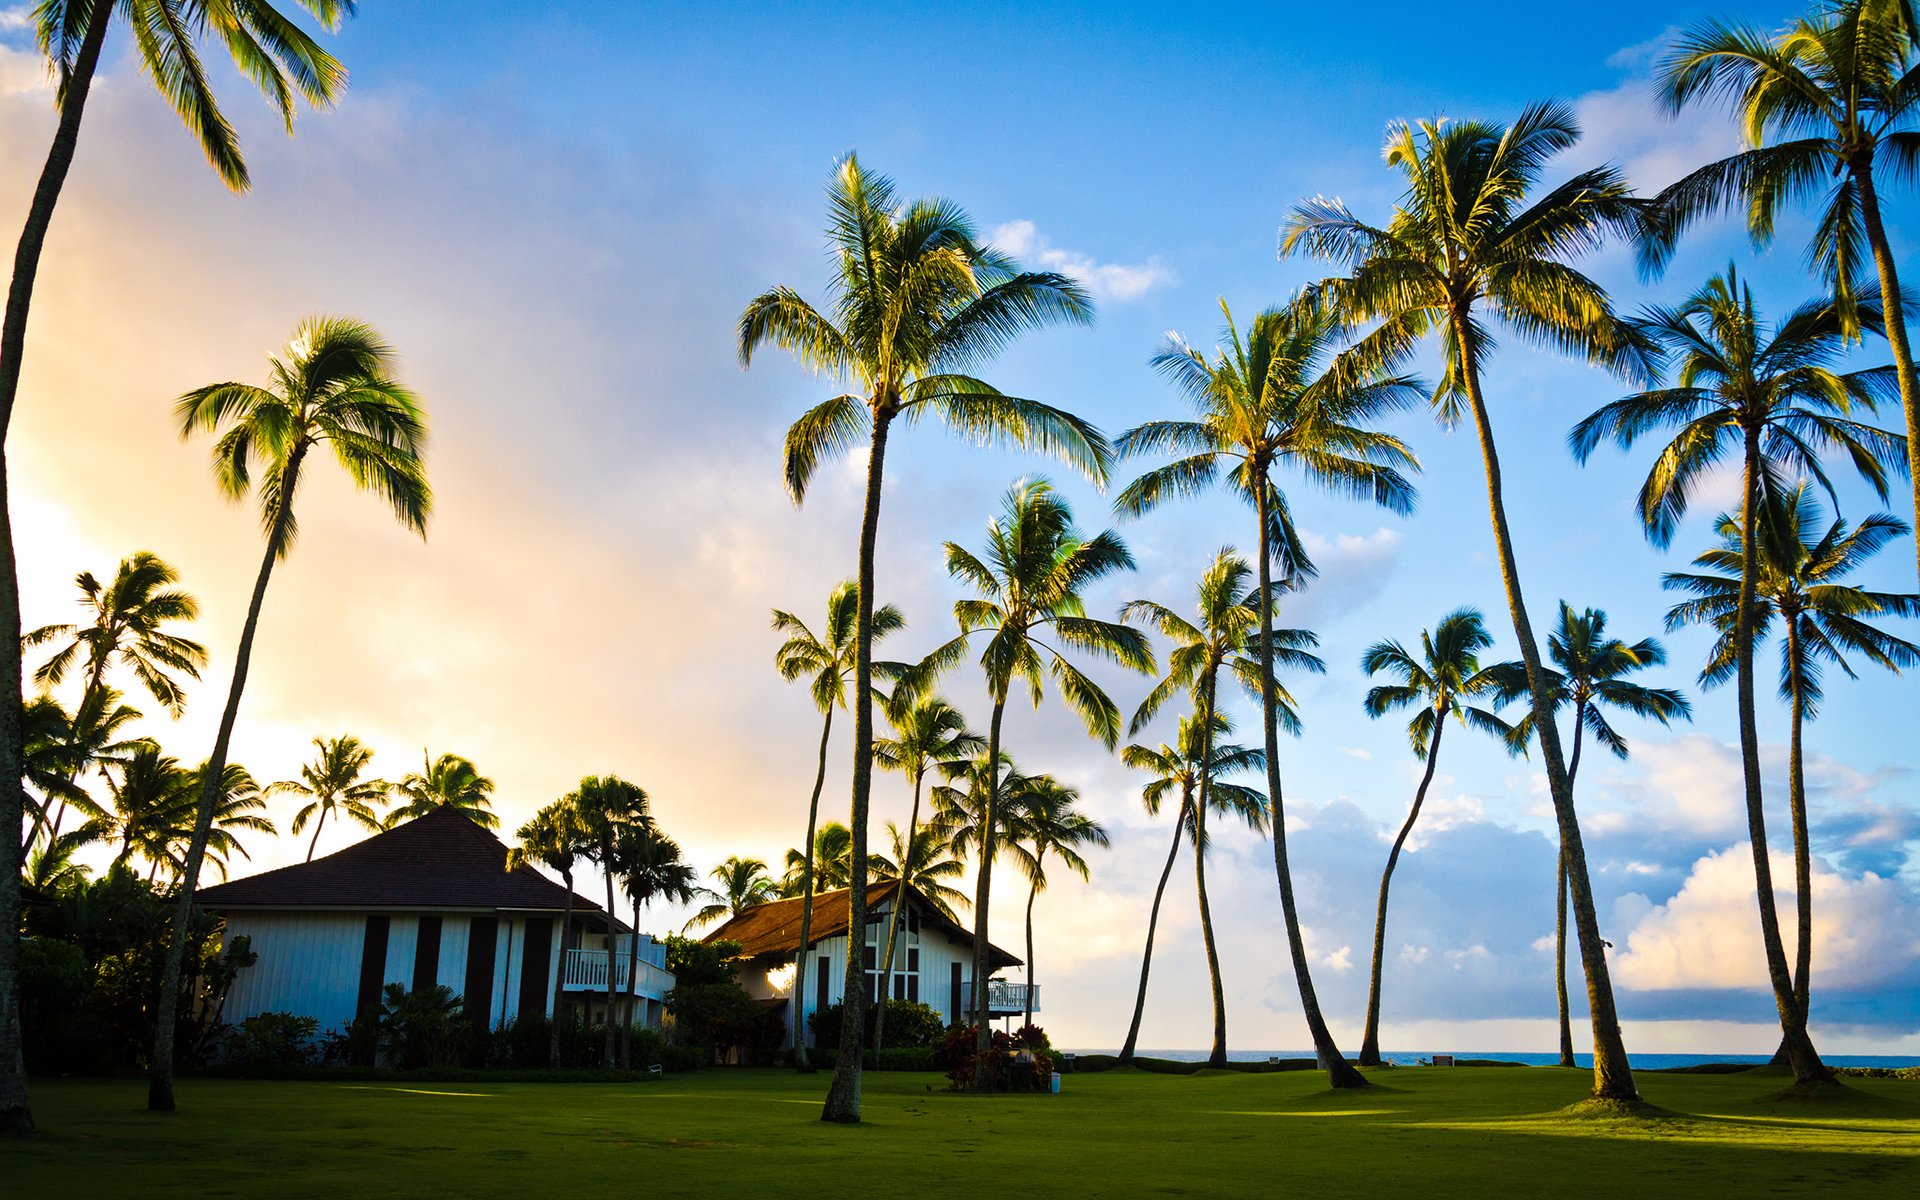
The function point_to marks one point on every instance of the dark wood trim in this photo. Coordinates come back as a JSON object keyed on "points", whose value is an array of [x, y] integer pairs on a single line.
{"points": [[478, 996], [535, 964], [426, 954], [373, 963]]}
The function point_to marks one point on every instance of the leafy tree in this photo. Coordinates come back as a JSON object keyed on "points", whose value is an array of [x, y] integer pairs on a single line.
{"points": [[557, 837], [744, 884], [448, 781], [1827, 107], [917, 303], [1279, 396], [334, 787], [1473, 236], [1591, 675], [333, 388], [609, 807], [284, 62], [1799, 582], [1440, 683], [1771, 395], [1053, 826]]}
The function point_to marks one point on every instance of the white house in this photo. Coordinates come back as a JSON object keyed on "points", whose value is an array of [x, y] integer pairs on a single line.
{"points": [[932, 955], [428, 902]]}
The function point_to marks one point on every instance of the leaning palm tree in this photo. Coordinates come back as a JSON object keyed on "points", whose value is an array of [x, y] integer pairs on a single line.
{"points": [[1771, 395], [609, 807], [825, 660], [1799, 580], [1030, 585], [334, 788], [649, 863], [1279, 396], [333, 388], [1471, 237], [284, 62], [1055, 827], [917, 302], [744, 884], [449, 781], [1828, 108], [557, 837], [1590, 672], [1441, 681]]}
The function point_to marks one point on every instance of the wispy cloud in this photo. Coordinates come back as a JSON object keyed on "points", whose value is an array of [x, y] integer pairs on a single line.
{"points": [[1118, 282]]}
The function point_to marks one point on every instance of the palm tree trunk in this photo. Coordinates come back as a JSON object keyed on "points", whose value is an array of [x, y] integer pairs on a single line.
{"points": [[633, 981], [1153, 921], [16, 1112], [796, 1006], [1802, 848], [1801, 1055], [1217, 1057], [160, 1070], [1370, 1044], [317, 822], [843, 1094], [1033, 893], [1893, 309], [982, 892], [560, 974], [606, 860], [1560, 905], [893, 922], [1340, 1072], [1612, 1074]]}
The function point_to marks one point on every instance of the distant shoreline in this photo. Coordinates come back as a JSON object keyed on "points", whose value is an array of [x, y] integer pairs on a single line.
{"points": [[1646, 1062]]}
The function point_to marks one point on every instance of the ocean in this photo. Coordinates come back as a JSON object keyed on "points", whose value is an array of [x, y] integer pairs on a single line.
{"points": [[1644, 1062]]}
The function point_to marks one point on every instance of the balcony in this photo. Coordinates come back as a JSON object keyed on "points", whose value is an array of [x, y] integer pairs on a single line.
{"points": [[1004, 999], [586, 970]]}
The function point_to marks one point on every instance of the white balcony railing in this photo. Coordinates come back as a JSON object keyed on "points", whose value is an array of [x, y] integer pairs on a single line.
{"points": [[1004, 999], [586, 970]]}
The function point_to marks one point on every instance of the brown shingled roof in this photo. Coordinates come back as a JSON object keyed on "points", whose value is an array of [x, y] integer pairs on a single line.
{"points": [[774, 927], [440, 861]]}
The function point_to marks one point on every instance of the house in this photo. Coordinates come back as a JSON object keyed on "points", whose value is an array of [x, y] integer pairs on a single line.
{"points": [[932, 954], [427, 902]]}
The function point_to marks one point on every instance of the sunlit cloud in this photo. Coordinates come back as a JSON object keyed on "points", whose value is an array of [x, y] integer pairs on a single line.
{"points": [[1117, 282]]}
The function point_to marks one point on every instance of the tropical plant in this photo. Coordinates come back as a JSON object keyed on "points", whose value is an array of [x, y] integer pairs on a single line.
{"points": [[149, 802], [333, 387], [284, 62], [649, 863], [1823, 105], [926, 865], [1037, 566], [825, 660], [334, 788], [1056, 827], [609, 807], [238, 807], [425, 1027], [1471, 236], [744, 884], [832, 857], [1799, 580], [917, 303], [1771, 396], [1441, 683], [557, 837], [1589, 672], [1279, 396], [448, 781], [60, 749]]}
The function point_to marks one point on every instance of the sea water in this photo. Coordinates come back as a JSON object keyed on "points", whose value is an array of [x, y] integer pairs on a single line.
{"points": [[1644, 1062]]}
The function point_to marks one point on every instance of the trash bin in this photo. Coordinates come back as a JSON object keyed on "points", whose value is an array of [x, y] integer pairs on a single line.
{"points": [[1053, 1083]]}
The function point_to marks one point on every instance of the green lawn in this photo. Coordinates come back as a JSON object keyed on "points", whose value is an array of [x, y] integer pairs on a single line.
{"points": [[1422, 1132]]}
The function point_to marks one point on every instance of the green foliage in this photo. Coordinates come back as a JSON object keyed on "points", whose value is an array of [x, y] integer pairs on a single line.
{"points": [[272, 1039], [905, 1058], [426, 1027], [909, 1024], [693, 961]]}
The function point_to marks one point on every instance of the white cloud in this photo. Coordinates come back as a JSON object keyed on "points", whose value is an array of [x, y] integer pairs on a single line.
{"points": [[1626, 126], [23, 72], [1118, 282]]}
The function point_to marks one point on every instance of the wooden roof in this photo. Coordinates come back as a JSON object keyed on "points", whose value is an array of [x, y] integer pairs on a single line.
{"points": [[442, 860], [774, 927]]}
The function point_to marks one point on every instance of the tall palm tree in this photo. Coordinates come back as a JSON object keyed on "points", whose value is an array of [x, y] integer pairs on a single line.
{"points": [[149, 803], [58, 754], [1056, 827], [744, 883], [926, 865], [609, 807], [1279, 396], [926, 730], [1589, 672], [825, 660], [1037, 566], [557, 837], [831, 855], [1771, 395], [284, 62], [238, 807], [334, 787], [447, 781], [1799, 580], [1441, 682], [333, 388], [1470, 237], [917, 303], [650, 864], [48, 752], [1824, 104]]}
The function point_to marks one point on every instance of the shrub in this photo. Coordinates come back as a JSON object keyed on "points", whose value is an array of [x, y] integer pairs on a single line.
{"points": [[55, 978], [1010, 1066], [907, 1058], [908, 1024], [272, 1039], [422, 1028]]}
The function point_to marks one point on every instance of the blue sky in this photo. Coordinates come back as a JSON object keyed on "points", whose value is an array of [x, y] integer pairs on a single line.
{"points": [[557, 213]]}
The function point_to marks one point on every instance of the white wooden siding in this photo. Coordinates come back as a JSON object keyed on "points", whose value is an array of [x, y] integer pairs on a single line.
{"points": [[309, 964]]}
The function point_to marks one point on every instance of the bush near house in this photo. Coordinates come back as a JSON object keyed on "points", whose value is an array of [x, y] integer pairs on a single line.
{"points": [[910, 1025], [1021, 1062], [272, 1039]]}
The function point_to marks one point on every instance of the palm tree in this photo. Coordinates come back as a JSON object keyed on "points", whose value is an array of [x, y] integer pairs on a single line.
{"points": [[609, 807], [333, 387], [926, 730], [1441, 682], [148, 805], [651, 865], [448, 781], [1798, 579], [334, 787], [61, 749], [557, 837], [825, 660], [1770, 394], [744, 883], [832, 856], [1591, 675], [1036, 567], [925, 866], [238, 806], [1053, 826], [1835, 95], [1470, 236], [283, 61], [52, 867], [1279, 396], [917, 303]]}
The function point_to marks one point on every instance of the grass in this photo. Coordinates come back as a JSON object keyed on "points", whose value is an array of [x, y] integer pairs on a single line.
{"points": [[1491, 1131]]}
